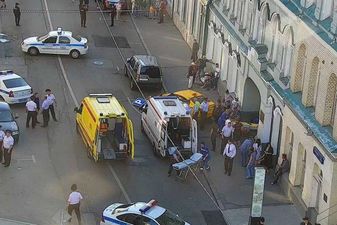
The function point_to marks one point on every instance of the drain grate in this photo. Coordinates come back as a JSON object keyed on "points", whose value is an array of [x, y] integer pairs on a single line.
{"points": [[107, 42], [213, 217]]}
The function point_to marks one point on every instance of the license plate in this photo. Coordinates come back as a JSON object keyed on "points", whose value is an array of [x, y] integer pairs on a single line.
{"points": [[23, 100]]}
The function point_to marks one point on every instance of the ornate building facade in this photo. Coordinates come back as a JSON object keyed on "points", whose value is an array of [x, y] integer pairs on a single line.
{"points": [[280, 58]]}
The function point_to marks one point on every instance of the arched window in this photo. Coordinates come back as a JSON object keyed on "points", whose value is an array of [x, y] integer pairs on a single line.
{"points": [[287, 51], [261, 27], [300, 68], [330, 101], [272, 47], [311, 92]]}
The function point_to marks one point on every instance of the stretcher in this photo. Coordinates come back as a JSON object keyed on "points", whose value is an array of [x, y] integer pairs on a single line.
{"points": [[182, 168]]}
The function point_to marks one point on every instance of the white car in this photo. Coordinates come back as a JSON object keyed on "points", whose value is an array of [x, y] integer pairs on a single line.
{"points": [[13, 88], [56, 42], [139, 213]]}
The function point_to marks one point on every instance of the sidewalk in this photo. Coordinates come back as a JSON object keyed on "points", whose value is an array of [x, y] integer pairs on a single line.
{"points": [[234, 193]]}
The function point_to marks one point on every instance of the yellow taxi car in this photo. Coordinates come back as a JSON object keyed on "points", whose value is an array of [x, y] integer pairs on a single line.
{"points": [[189, 96]]}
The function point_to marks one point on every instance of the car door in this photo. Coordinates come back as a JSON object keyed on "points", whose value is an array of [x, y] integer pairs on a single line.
{"points": [[64, 45], [49, 45], [130, 65]]}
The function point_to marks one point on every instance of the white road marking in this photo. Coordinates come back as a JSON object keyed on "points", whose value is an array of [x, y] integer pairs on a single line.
{"points": [[126, 196], [33, 158]]}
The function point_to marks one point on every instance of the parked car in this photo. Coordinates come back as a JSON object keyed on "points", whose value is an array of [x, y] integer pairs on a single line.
{"points": [[7, 121], [143, 70]]}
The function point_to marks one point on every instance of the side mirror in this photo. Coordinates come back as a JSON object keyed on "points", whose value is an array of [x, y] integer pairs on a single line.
{"points": [[76, 109]]}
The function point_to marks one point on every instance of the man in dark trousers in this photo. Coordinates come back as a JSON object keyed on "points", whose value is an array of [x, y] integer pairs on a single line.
{"points": [[45, 111], [162, 10], [306, 221], [52, 101], [195, 49], [113, 14], [31, 109], [7, 146], [283, 168], [17, 14], [83, 14]]}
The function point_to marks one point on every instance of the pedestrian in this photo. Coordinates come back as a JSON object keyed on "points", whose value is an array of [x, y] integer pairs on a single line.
{"points": [[83, 14], [17, 14], [305, 221], [244, 148], [162, 10], [204, 111], [31, 109], [113, 14], [133, 5], [205, 156], [45, 111], [174, 159], [229, 153], [237, 130], [2, 135], [196, 109], [74, 201], [192, 71], [7, 147], [118, 10], [267, 159], [251, 164], [258, 148], [218, 110], [152, 12], [223, 118], [235, 104], [216, 76], [2, 4], [283, 168], [226, 134], [195, 50], [202, 62], [214, 135], [37, 102], [52, 101]]}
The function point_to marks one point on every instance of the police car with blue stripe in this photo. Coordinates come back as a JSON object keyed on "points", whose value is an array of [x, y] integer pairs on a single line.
{"points": [[139, 213], [13, 88], [56, 42]]}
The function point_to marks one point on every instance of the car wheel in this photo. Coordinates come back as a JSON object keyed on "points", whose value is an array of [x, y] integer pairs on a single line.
{"points": [[77, 128], [33, 51], [75, 54], [132, 84]]}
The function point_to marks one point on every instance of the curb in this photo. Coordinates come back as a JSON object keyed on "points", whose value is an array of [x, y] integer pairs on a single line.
{"points": [[4, 221]]}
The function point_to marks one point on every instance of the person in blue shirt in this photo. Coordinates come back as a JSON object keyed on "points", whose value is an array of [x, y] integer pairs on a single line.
{"points": [[222, 119], [205, 156], [244, 150]]}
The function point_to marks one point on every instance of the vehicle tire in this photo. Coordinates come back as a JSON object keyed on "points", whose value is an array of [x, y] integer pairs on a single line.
{"points": [[77, 129], [132, 84], [75, 54], [125, 71], [33, 51]]}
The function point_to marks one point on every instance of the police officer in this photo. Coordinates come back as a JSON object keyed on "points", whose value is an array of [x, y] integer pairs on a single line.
{"points": [[52, 100], [31, 109], [113, 14], [7, 146], [45, 111], [17, 14], [83, 13], [2, 135]]}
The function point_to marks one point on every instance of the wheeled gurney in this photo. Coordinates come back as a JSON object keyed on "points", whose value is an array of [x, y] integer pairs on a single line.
{"points": [[183, 167]]}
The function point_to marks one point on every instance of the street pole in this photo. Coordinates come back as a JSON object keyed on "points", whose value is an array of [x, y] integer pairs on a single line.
{"points": [[204, 44], [257, 198]]}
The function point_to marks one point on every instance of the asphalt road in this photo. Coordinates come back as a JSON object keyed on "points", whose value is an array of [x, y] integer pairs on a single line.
{"points": [[47, 161]]}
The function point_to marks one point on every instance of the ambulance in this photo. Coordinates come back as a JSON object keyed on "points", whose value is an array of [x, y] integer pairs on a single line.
{"points": [[105, 128], [169, 126]]}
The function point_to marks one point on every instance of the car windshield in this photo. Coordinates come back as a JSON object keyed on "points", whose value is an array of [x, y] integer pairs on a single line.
{"points": [[151, 71], [6, 116], [169, 218], [42, 37], [15, 82], [77, 37]]}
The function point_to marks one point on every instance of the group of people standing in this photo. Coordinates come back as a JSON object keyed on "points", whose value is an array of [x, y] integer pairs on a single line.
{"points": [[196, 70], [33, 108]]}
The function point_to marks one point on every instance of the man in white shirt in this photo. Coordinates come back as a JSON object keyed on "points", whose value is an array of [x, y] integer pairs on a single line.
{"points": [[7, 146], [226, 133], [74, 201], [31, 109], [45, 111], [204, 111], [229, 153], [52, 100], [2, 135]]}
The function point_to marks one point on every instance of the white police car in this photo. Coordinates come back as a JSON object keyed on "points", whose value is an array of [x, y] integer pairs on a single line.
{"points": [[13, 88], [139, 213], [56, 42]]}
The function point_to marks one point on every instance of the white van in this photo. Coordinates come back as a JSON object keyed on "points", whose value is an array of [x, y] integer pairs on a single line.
{"points": [[169, 126]]}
